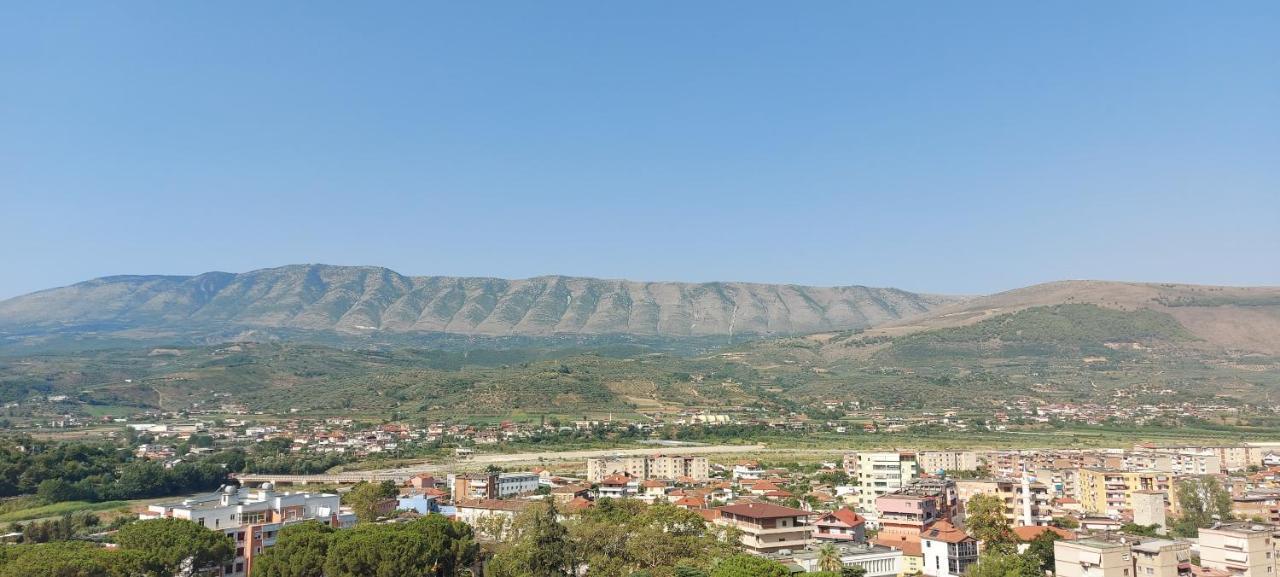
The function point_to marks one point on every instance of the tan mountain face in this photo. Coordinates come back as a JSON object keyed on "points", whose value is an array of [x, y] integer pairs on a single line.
{"points": [[357, 300]]}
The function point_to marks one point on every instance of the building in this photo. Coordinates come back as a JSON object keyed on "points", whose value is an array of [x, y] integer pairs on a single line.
{"points": [[1255, 505], [492, 485], [1149, 509], [1026, 502], [947, 550], [876, 560], [253, 517], [841, 526], [1122, 556], [1240, 549], [618, 486], [936, 462], [879, 474], [1092, 558], [767, 528], [1109, 492], [644, 467], [472, 512]]}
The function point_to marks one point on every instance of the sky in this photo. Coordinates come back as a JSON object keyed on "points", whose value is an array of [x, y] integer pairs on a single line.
{"points": [[949, 147]]}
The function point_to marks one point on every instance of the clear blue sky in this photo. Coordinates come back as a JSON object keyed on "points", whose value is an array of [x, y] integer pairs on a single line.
{"points": [[958, 147]]}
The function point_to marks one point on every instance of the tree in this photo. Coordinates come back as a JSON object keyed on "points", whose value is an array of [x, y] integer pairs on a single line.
{"points": [[175, 546], [745, 565], [300, 551], [1041, 548], [1066, 523], [829, 558], [67, 559], [999, 563], [853, 571], [365, 497], [985, 520], [1202, 500], [539, 546], [1152, 530], [428, 546]]}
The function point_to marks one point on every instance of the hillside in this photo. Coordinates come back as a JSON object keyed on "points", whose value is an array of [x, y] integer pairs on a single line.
{"points": [[1067, 341], [355, 302]]}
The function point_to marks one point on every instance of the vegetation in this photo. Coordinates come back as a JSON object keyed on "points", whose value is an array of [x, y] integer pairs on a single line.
{"points": [[616, 538], [985, 521], [1202, 500]]}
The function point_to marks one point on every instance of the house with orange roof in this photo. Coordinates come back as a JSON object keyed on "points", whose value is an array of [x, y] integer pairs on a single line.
{"points": [[948, 551], [618, 486], [841, 525], [652, 489], [766, 527]]}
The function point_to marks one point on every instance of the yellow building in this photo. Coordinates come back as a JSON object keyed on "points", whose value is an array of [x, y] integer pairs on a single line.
{"points": [[1106, 492]]}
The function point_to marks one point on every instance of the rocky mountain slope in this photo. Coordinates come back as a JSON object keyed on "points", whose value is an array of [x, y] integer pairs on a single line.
{"points": [[371, 300]]}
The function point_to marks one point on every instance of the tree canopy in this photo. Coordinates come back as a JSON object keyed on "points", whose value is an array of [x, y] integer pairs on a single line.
{"points": [[174, 546]]}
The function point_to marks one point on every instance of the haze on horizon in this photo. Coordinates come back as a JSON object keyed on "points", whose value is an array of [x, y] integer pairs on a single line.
{"points": [[936, 147]]}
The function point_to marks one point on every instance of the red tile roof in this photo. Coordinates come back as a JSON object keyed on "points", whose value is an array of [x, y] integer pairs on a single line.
{"points": [[762, 511], [847, 516], [946, 532]]}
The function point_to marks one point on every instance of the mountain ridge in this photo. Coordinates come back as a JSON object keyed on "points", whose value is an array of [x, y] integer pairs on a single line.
{"points": [[363, 299]]}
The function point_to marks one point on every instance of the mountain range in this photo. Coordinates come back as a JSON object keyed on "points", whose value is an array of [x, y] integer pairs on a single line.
{"points": [[308, 337], [354, 301]]}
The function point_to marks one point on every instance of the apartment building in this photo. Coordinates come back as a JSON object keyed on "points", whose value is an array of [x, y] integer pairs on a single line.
{"points": [[1109, 555], [948, 551], [879, 474], [904, 514], [934, 462], [642, 467], [1263, 504], [253, 517], [1026, 502], [491, 485], [1240, 549], [1110, 492], [767, 528]]}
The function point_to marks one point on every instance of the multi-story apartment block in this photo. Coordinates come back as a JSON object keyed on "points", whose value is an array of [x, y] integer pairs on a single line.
{"points": [[1108, 492], [252, 518], [767, 528], [1261, 504], [934, 462], [879, 474], [1110, 555], [492, 485], [667, 467], [1026, 502], [1241, 549], [913, 508]]}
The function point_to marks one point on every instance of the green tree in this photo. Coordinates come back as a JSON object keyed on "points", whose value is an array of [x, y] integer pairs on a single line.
{"points": [[175, 546], [745, 565], [829, 558], [429, 546], [1041, 548], [539, 545], [67, 559], [853, 571], [1202, 500], [985, 521], [300, 551], [365, 497], [999, 563]]}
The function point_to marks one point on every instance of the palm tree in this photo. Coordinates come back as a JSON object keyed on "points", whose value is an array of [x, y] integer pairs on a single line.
{"points": [[829, 558]]}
